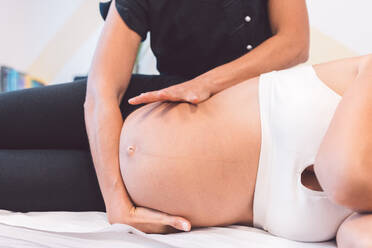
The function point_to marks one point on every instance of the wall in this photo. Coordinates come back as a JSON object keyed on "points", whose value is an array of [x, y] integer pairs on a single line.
{"points": [[340, 28], [51, 39]]}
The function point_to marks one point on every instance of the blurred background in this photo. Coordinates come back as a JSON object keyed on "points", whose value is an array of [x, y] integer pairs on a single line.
{"points": [[54, 40]]}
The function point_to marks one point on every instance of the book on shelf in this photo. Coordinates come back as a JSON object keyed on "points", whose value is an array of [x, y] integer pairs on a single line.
{"points": [[11, 79]]}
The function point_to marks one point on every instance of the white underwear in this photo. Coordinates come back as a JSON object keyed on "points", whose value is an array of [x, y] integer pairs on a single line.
{"points": [[296, 108]]}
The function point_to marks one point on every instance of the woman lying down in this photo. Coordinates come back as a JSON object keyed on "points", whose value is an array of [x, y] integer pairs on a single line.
{"points": [[289, 152]]}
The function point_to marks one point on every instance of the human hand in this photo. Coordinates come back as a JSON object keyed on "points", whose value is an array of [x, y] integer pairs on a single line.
{"points": [[193, 91], [149, 220]]}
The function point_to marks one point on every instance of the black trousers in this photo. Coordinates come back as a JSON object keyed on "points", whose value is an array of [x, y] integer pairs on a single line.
{"points": [[45, 160]]}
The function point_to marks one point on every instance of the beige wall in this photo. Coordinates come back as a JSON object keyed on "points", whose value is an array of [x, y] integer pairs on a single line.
{"points": [[325, 48], [66, 42]]}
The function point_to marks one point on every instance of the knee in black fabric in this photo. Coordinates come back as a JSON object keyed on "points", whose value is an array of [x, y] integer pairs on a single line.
{"points": [[48, 180], [44, 117]]}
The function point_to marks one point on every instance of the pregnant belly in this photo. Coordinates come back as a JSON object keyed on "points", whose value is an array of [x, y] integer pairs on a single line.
{"points": [[197, 161]]}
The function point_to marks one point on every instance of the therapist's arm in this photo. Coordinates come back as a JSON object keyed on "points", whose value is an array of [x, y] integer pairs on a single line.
{"points": [[288, 46], [108, 80]]}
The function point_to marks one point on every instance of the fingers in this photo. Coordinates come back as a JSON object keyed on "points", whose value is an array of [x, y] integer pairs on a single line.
{"points": [[193, 91], [148, 97], [155, 96], [167, 94], [192, 98], [155, 228], [180, 223], [145, 215]]}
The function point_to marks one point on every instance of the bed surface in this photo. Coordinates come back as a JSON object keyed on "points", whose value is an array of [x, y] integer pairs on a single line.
{"points": [[91, 229]]}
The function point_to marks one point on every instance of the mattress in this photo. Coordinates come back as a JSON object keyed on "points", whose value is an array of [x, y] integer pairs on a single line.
{"points": [[91, 229]]}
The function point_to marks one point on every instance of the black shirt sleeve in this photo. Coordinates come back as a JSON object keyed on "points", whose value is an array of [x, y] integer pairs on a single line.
{"points": [[133, 12]]}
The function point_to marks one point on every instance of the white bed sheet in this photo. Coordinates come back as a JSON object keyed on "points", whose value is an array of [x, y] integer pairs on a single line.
{"points": [[91, 229]]}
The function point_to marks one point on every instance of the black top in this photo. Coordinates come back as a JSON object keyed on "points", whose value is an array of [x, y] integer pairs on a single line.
{"points": [[190, 37]]}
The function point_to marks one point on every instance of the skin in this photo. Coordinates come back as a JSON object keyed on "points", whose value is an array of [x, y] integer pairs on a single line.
{"points": [[355, 232], [345, 153], [107, 82], [200, 161], [109, 77], [190, 156], [346, 148]]}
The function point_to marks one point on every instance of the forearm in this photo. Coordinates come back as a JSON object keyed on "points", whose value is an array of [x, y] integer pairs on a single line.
{"points": [[288, 46], [103, 124], [107, 83], [108, 79], [104, 121], [276, 53]]}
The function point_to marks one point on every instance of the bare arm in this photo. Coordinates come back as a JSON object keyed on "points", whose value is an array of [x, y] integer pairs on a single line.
{"points": [[355, 231], [344, 160], [288, 46], [107, 82]]}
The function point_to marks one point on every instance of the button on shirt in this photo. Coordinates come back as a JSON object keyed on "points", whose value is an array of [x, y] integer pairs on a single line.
{"points": [[190, 37]]}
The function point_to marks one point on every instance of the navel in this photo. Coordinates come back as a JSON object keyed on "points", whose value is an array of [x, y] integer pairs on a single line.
{"points": [[131, 150]]}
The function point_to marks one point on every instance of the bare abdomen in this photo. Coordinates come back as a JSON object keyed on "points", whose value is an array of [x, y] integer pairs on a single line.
{"points": [[196, 161]]}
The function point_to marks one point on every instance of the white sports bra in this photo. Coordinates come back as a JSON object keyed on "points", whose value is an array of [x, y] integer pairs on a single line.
{"points": [[296, 108]]}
